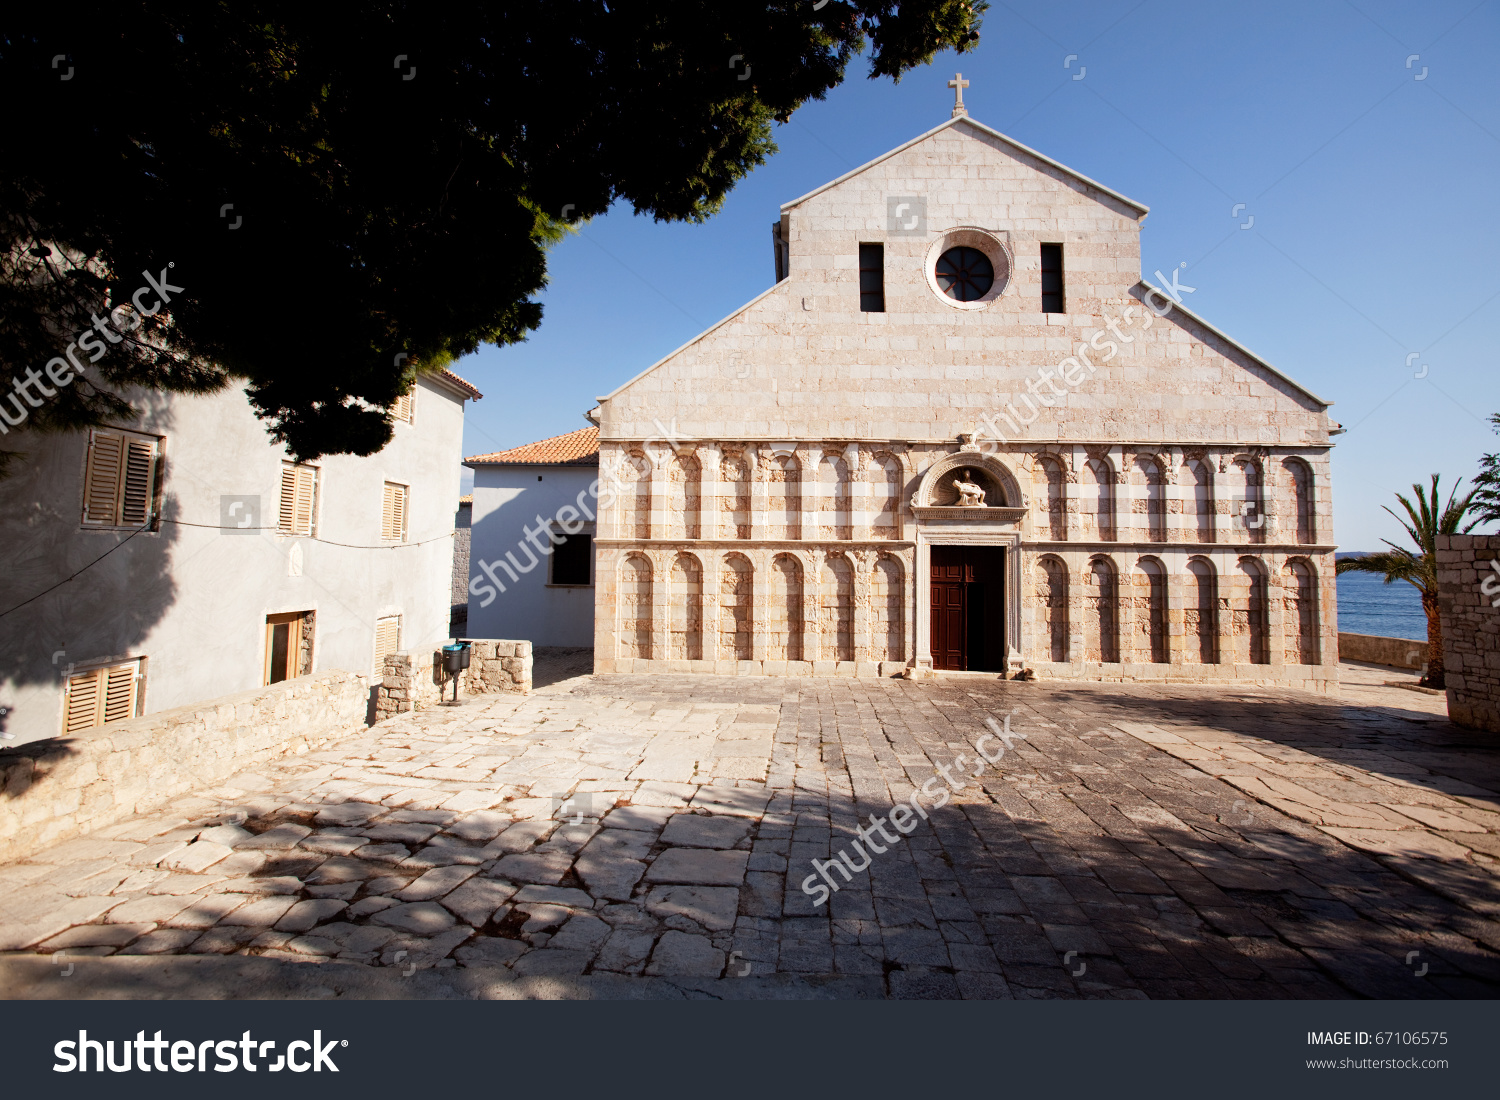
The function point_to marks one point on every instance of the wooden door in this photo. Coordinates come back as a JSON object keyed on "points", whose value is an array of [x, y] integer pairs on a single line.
{"points": [[283, 647], [950, 629]]}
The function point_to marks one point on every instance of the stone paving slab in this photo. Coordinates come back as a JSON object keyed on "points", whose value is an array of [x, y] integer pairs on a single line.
{"points": [[605, 837]]}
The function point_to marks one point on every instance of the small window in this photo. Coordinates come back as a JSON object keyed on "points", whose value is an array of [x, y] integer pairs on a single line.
{"points": [[1052, 278], [872, 278], [288, 646], [387, 640], [404, 406], [108, 694], [572, 562], [120, 479], [299, 498], [393, 512]]}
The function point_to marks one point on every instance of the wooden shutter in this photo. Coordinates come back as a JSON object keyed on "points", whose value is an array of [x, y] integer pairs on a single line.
{"points": [[102, 695], [286, 518], [402, 409], [393, 512], [119, 692], [83, 701], [299, 487], [120, 480], [139, 482], [307, 487], [101, 492], [387, 640]]}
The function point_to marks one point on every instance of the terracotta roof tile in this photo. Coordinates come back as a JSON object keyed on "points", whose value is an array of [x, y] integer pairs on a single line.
{"points": [[580, 448], [463, 384]]}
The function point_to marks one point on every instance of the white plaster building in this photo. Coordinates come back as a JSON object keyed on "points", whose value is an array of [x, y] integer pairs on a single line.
{"points": [[183, 557], [1156, 498], [526, 582]]}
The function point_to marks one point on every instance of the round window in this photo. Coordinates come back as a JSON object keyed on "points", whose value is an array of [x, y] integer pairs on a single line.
{"points": [[965, 274]]}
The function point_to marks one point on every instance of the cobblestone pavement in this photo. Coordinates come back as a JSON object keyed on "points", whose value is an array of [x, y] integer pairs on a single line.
{"points": [[1133, 841]]}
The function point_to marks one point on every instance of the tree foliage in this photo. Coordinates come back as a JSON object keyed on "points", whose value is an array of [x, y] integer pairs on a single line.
{"points": [[351, 193], [1487, 484], [1424, 522]]}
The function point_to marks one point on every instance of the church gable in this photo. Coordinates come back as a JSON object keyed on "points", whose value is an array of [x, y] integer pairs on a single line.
{"points": [[884, 327]]}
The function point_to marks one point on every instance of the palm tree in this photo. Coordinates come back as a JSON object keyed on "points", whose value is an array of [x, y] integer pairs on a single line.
{"points": [[1419, 569]]}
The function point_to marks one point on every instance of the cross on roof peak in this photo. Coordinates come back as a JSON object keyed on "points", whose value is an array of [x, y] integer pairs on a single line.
{"points": [[958, 84]]}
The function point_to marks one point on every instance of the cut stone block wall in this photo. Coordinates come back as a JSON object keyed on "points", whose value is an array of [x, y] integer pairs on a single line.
{"points": [[1395, 652], [51, 791], [495, 667], [1471, 627]]}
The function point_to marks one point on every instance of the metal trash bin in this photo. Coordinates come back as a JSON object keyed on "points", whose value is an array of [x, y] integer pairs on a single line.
{"points": [[455, 660]]}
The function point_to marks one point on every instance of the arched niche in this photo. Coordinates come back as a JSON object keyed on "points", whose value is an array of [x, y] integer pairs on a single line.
{"points": [[1002, 488]]}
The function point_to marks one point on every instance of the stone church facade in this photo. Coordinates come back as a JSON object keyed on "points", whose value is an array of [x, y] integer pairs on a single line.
{"points": [[961, 433]]}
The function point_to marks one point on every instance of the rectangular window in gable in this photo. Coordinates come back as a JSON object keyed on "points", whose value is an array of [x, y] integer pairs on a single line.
{"points": [[1052, 278], [872, 278]]}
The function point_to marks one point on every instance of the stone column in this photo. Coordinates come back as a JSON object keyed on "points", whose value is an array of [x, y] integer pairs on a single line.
{"points": [[757, 457], [1226, 575], [1173, 503], [709, 458], [1118, 497], [812, 606], [713, 567], [661, 598], [1126, 529], [760, 601], [921, 579], [658, 457], [1275, 610], [1174, 562], [861, 561], [859, 495], [909, 607], [1276, 522], [1125, 595], [1072, 492]]}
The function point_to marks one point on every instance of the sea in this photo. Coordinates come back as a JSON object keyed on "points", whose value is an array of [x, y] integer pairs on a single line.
{"points": [[1367, 605]]}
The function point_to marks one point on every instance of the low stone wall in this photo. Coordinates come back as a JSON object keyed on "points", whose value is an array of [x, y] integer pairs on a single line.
{"points": [[1373, 649], [54, 790], [495, 667], [1471, 627], [498, 666]]}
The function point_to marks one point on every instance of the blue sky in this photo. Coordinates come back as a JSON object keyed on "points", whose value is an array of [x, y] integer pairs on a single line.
{"points": [[1372, 186]]}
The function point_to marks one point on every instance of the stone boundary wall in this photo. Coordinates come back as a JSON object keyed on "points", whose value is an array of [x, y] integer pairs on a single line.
{"points": [[1393, 652], [495, 667], [1471, 628], [54, 790]]}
